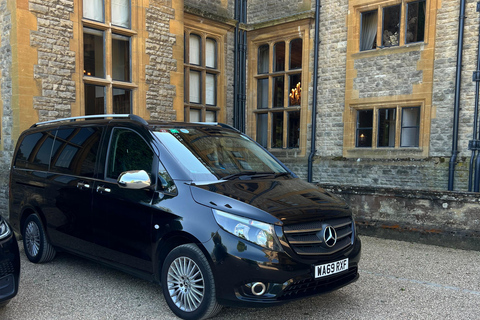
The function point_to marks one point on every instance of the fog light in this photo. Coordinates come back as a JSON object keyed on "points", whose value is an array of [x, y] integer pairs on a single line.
{"points": [[258, 288]]}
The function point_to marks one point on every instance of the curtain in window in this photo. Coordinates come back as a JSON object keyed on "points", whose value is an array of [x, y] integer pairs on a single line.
{"points": [[121, 13], [210, 54], [195, 115], [210, 94], [93, 9], [194, 87], [369, 30], [210, 116], [194, 52], [409, 136], [263, 56]]}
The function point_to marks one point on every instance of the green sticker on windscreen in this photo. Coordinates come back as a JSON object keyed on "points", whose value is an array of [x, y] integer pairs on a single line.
{"points": [[174, 131]]}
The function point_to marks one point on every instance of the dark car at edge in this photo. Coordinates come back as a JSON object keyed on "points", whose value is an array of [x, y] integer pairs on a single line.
{"points": [[9, 263]]}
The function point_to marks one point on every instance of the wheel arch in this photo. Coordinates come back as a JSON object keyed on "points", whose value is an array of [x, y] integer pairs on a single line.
{"points": [[29, 210], [167, 244]]}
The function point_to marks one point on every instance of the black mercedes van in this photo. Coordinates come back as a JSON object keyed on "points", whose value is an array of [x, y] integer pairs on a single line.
{"points": [[200, 208]]}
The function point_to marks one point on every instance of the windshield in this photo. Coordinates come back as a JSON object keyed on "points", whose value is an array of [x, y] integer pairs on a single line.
{"points": [[214, 151]]}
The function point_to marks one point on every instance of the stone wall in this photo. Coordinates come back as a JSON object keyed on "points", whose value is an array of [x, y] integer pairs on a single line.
{"points": [[389, 75], [56, 62], [444, 76], [331, 78], [259, 11], [425, 174], [441, 218], [221, 8], [6, 103], [444, 84], [159, 47]]}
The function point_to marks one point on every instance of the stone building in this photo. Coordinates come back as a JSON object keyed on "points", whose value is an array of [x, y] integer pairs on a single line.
{"points": [[378, 87]]}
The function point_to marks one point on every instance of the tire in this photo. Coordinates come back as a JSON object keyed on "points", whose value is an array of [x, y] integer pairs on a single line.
{"points": [[35, 242], [183, 267]]}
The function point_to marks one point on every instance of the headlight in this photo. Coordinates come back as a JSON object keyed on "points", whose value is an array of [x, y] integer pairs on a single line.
{"points": [[260, 233], [4, 229]]}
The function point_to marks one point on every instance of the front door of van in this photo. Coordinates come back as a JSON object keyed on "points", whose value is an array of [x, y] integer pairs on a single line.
{"points": [[124, 216]]}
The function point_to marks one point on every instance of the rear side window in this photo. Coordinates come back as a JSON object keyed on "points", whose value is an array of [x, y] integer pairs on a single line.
{"points": [[34, 151], [128, 151], [76, 151]]}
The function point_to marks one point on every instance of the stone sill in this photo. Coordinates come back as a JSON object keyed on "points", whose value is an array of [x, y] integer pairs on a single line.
{"points": [[417, 46]]}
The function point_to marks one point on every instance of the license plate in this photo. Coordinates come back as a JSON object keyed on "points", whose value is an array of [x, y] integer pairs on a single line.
{"points": [[327, 269]]}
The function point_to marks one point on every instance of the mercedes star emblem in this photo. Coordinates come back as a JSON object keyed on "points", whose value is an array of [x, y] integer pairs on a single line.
{"points": [[330, 236]]}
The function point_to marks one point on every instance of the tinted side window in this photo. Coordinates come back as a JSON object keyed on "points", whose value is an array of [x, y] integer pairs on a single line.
{"points": [[76, 151], [128, 151], [34, 151]]}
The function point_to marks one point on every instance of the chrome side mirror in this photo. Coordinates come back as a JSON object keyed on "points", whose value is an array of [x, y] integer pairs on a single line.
{"points": [[134, 179]]}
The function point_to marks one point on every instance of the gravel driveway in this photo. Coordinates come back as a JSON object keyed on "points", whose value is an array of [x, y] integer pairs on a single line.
{"points": [[398, 280]]}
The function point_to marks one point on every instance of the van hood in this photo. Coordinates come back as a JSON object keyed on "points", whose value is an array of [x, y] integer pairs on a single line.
{"points": [[279, 201]]}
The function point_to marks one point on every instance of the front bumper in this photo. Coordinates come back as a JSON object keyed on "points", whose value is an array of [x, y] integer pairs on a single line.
{"points": [[9, 268], [238, 265]]}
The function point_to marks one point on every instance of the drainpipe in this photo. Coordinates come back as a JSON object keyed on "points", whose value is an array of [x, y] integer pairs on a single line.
{"points": [[243, 84], [240, 67], [243, 80], [453, 159], [236, 113], [235, 70], [474, 145], [314, 99]]}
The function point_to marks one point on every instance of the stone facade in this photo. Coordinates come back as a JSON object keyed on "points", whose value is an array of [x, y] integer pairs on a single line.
{"points": [[159, 48], [261, 11], [221, 8], [389, 75], [346, 78], [56, 62], [444, 83], [222, 11], [331, 80], [7, 143]]}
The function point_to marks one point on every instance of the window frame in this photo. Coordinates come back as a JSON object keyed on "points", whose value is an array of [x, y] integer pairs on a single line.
{"points": [[283, 75], [380, 8], [207, 30], [271, 35], [112, 150], [351, 144], [107, 81], [406, 22]]}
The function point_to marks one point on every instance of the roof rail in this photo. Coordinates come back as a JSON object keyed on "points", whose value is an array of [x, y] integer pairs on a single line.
{"points": [[96, 116]]}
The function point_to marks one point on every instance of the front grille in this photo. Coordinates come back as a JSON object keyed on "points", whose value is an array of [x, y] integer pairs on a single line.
{"points": [[309, 286], [307, 238], [6, 268]]}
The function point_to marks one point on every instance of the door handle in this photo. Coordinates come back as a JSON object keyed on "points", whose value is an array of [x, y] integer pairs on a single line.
{"points": [[82, 185], [103, 189]]}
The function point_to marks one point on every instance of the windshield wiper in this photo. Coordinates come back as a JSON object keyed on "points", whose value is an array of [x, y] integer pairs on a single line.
{"points": [[252, 173], [281, 174], [239, 174]]}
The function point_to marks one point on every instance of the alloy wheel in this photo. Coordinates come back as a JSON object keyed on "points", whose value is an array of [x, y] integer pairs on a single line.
{"points": [[32, 238], [186, 284]]}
